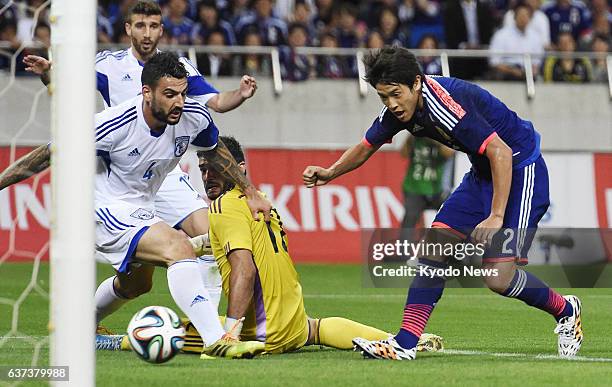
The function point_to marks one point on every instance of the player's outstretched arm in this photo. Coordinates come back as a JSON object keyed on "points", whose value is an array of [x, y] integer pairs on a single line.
{"points": [[220, 159], [29, 165], [353, 158], [500, 158], [39, 66], [230, 100]]}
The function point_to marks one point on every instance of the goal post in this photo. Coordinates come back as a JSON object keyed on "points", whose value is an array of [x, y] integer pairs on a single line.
{"points": [[72, 181]]}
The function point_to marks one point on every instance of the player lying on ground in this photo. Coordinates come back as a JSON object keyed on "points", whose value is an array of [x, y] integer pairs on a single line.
{"points": [[177, 202], [506, 187], [265, 300], [161, 123]]}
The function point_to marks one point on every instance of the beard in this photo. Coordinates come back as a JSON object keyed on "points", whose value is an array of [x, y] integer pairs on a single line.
{"points": [[163, 116], [141, 50]]}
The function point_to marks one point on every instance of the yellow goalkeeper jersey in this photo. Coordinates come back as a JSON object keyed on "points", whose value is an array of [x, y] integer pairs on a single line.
{"points": [[276, 314]]}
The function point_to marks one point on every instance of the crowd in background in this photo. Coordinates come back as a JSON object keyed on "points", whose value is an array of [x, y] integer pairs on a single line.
{"points": [[496, 25]]}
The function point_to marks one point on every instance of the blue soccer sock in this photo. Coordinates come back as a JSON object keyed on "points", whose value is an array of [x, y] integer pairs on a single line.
{"points": [[424, 293], [534, 292]]}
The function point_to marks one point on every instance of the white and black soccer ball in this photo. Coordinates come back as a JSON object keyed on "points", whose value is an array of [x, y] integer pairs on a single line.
{"points": [[156, 334]]}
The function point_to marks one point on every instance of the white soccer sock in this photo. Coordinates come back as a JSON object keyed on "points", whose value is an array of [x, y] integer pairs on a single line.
{"points": [[187, 290], [107, 300], [211, 278]]}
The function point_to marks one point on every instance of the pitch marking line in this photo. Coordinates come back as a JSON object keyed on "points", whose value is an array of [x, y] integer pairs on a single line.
{"points": [[525, 356]]}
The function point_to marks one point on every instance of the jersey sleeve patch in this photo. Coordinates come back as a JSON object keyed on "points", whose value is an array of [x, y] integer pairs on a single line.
{"points": [[445, 98]]}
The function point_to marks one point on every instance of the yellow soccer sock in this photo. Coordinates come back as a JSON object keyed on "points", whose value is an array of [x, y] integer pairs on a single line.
{"points": [[338, 332]]}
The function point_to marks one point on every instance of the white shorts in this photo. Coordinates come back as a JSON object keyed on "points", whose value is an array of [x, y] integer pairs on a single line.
{"points": [[177, 199], [119, 227]]}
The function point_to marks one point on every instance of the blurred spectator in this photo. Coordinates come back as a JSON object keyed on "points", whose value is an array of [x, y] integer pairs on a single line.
{"points": [[42, 35], [425, 18], [105, 30], [431, 65], [390, 29], [331, 66], [26, 22], [323, 18], [567, 69], [252, 64], [295, 67], [177, 26], [539, 21], [601, 45], [468, 24], [234, 10], [209, 21], [9, 15], [348, 31], [516, 37], [567, 16], [375, 40], [215, 65], [273, 30], [8, 35], [287, 8], [302, 13]]}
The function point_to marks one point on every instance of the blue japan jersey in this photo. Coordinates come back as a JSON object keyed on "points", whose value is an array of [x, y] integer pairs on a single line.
{"points": [[465, 117]]}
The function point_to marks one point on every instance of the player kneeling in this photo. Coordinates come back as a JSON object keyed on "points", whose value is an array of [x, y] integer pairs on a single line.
{"points": [[265, 301]]}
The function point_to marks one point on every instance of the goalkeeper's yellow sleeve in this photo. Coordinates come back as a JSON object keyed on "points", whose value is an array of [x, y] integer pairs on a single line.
{"points": [[338, 332]]}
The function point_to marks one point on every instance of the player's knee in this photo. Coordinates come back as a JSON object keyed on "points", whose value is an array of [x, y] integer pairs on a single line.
{"points": [[132, 289], [137, 289], [176, 249]]}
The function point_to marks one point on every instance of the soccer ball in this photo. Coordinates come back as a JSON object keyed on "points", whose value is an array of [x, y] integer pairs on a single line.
{"points": [[156, 334]]}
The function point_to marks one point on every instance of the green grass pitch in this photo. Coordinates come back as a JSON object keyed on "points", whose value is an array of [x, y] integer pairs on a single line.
{"points": [[491, 340]]}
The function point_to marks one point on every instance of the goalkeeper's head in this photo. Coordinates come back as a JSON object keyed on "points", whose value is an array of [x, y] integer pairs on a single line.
{"points": [[215, 183]]}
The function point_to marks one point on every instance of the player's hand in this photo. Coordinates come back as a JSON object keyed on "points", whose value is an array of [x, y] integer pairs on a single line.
{"points": [[248, 86], [36, 64], [314, 176], [483, 233], [257, 203]]}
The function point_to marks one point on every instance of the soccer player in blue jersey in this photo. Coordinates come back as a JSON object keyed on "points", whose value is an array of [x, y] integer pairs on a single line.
{"points": [[507, 187]]}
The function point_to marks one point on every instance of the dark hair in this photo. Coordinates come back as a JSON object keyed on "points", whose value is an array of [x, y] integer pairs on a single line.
{"points": [[297, 26], [162, 64], [144, 7], [391, 65], [234, 148], [428, 36], [522, 4], [232, 145]]}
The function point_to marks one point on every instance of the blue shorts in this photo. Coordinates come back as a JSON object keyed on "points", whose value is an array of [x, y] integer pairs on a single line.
{"points": [[528, 201]]}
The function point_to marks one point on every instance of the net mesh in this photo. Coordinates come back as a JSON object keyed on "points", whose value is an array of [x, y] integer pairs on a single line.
{"points": [[24, 207]]}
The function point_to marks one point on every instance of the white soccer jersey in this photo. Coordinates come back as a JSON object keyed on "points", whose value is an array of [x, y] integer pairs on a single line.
{"points": [[118, 78], [133, 161]]}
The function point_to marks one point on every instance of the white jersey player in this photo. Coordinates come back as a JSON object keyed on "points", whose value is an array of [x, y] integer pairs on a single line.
{"points": [[118, 77], [138, 143]]}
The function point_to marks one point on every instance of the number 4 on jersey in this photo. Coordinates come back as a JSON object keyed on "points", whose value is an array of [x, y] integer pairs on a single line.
{"points": [[149, 173]]}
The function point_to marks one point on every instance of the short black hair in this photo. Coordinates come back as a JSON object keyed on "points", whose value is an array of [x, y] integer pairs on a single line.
{"points": [[234, 148], [144, 7], [162, 64], [391, 65]]}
